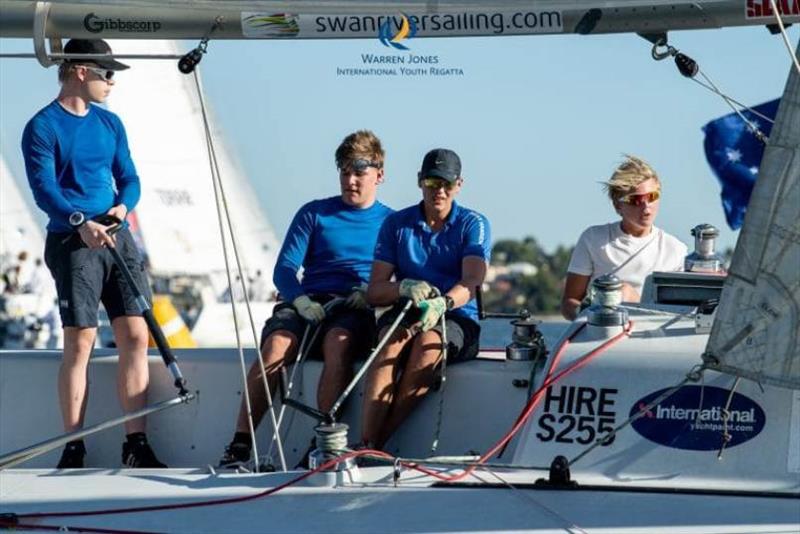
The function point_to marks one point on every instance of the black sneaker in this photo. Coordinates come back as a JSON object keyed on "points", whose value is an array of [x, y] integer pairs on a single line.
{"points": [[236, 454], [72, 457], [139, 454]]}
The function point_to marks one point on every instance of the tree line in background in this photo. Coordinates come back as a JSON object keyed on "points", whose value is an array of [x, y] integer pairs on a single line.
{"points": [[524, 275]]}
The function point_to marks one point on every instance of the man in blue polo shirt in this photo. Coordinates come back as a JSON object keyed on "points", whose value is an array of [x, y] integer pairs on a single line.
{"points": [[79, 167], [438, 253], [332, 240]]}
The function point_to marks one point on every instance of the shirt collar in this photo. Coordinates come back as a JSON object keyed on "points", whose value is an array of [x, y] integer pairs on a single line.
{"points": [[451, 217]]}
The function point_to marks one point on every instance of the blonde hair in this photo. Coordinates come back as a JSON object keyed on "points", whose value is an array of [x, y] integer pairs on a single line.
{"points": [[362, 144], [627, 177]]}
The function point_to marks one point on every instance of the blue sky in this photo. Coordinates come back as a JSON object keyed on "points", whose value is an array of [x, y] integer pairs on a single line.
{"points": [[538, 121]]}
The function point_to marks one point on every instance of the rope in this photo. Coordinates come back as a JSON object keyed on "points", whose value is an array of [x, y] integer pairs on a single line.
{"points": [[726, 414], [222, 206], [785, 36]]}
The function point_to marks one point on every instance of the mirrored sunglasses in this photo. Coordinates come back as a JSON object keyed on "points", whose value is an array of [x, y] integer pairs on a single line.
{"points": [[359, 166], [437, 183], [105, 74], [638, 200]]}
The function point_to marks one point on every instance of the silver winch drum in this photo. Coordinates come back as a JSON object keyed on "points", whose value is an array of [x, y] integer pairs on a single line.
{"points": [[704, 258], [527, 342], [606, 298]]}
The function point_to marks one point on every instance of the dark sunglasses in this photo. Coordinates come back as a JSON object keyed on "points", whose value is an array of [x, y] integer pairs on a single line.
{"points": [[638, 200], [358, 166], [105, 74]]}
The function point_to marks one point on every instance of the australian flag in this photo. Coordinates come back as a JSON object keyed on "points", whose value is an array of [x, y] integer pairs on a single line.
{"points": [[734, 153]]}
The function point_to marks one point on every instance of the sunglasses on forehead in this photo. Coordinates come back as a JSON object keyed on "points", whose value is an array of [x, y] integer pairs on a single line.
{"points": [[437, 183], [638, 200], [105, 74], [359, 165]]}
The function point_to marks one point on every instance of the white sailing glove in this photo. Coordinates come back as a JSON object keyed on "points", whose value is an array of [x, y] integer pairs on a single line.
{"points": [[357, 300], [309, 310], [416, 290]]}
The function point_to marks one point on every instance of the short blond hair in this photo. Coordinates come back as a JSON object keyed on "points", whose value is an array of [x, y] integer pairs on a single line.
{"points": [[627, 177], [362, 144]]}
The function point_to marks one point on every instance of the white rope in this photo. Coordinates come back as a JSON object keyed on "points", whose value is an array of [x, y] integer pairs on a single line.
{"points": [[222, 206], [785, 36], [727, 97]]}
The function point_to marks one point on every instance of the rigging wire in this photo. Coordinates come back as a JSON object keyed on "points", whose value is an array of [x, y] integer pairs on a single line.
{"points": [[526, 496], [785, 36], [222, 206]]}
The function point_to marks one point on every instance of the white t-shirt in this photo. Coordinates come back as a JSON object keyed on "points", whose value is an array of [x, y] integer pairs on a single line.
{"points": [[606, 249]]}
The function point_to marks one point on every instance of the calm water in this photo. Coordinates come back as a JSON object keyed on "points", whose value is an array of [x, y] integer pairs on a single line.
{"points": [[496, 333]]}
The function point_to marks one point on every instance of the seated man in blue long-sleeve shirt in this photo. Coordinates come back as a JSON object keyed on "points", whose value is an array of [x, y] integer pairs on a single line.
{"points": [[332, 240], [79, 167]]}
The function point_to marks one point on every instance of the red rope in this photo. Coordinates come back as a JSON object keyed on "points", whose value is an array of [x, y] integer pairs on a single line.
{"points": [[527, 411]]}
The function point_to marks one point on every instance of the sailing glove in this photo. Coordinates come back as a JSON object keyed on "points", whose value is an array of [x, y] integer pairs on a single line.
{"points": [[357, 300], [432, 310], [416, 290], [309, 310]]}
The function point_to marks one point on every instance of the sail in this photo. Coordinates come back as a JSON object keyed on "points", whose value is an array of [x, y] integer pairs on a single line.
{"points": [[757, 327], [18, 230], [177, 214]]}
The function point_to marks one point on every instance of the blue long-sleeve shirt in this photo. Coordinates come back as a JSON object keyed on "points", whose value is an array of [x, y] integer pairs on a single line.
{"points": [[78, 163], [333, 242]]}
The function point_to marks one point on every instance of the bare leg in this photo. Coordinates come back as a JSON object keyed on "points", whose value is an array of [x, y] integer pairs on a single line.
{"points": [[72, 375], [133, 373], [279, 349], [338, 368], [379, 388], [416, 381]]}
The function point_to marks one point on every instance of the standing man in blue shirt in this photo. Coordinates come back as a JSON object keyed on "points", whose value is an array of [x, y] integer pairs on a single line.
{"points": [[332, 240], [79, 167], [438, 253]]}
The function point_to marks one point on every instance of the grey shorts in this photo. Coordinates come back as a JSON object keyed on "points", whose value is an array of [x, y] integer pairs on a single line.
{"points": [[360, 323], [84, 277], [463, 334]]}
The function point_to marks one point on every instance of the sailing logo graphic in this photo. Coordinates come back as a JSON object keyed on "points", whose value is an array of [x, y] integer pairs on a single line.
{"points": [[278, 25], [695, 418], [407, 30]]}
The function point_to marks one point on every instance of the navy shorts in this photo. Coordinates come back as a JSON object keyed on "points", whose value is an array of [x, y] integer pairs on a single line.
{"points": [[85, 277], [360, 323], [463, 334]]}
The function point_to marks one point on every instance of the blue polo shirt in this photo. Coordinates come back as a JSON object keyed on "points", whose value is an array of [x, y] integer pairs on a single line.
{"points": [[407, 242], [333, 242]]}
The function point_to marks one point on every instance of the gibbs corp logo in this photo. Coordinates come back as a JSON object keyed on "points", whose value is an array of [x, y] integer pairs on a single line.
{"points": [[693, 418]]}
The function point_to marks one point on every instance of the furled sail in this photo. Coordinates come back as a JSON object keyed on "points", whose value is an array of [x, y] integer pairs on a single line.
{"points": [[756, 333], [177, 213]]}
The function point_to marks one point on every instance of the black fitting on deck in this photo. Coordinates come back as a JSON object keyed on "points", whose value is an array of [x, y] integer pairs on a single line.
{"points": [[560, 477]]}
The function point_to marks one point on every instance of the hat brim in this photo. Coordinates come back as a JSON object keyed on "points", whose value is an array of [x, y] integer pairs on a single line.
{"points": [[111, 64]]}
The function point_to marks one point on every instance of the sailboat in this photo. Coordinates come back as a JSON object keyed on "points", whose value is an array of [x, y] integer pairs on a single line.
{"points": [[679, 414]]}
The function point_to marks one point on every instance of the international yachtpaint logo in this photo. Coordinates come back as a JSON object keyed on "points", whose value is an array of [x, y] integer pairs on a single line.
{"points": [[694, 418], [277, 25], [407, 30]]}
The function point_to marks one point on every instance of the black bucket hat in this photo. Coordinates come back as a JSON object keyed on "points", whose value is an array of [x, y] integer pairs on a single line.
{"points": [[441, 163], [92, 46]]}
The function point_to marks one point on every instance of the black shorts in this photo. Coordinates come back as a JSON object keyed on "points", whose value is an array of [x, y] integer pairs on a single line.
{"points": [[463, 334], [84, 277], [360, 323]]}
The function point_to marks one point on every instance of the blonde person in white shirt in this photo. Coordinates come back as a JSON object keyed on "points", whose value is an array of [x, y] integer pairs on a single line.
{"points": [[631, 248]]}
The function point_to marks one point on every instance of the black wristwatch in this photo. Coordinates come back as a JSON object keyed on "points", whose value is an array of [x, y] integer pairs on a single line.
{"points": [[76, 219], [449, 302]]}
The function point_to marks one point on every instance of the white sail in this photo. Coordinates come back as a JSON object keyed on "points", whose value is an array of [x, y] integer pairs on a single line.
{"points": [[757, 327], [177, 214], [18, 229]]}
